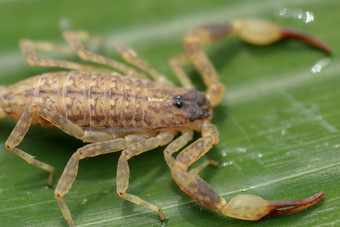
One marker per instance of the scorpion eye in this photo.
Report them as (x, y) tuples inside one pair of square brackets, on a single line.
[(178, 101)]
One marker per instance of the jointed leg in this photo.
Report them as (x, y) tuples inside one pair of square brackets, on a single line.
[(70, 172), (132, 57), (257, 32), (17, 136), (247, 207), (56, 119), (177, 144), (203, 165), (28, 48), (69, 127), (91, 150), (192, 42), (74, 39), (123, 171), (47, 46), (189, 181), (176, 63)]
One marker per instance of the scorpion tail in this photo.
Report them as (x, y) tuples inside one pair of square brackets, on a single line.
[(2, 112), (261, 32)]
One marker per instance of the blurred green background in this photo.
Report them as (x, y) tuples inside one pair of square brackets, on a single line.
[(279, 121)]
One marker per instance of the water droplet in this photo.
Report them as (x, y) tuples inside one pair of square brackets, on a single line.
[(309, 17), (319, 65), (283, 11), (64, 23), (243, 190), (283, 132), (227, 163), (224, 153), (84, 201), (260, 155), (306, 16), (241, 150)]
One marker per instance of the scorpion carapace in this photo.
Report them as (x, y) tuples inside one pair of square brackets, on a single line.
[(127, 112)]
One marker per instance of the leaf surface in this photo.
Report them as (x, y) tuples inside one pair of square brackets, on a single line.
[(279, 121)]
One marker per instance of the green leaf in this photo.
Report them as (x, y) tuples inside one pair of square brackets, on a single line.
[(279, 121)]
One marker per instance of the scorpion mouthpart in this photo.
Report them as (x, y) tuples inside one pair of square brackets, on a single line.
[(291, 206), (298, 35)]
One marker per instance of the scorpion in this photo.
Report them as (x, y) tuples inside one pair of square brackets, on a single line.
[(136, 109)]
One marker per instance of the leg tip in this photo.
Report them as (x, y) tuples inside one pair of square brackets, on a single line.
[(162, 216), (215, 163), (164, 219), (50, 185)]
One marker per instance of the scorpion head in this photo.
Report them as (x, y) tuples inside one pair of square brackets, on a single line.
[(190, 109), (174, 107), (193, 104)]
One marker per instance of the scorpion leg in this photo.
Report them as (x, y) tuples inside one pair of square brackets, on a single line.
[(72, 129), (254, 31), (189, 181), (74, 39), (28, 48), (203, 165), (246, 207), (56, 119), (70, 172), (132, 57), (177, 144), (17, 136), (176, 64), (123, 171)]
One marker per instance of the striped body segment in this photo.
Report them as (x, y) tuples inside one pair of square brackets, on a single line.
[(101, 101)]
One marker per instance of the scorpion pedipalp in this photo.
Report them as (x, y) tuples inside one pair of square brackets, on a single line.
[(260, 32), (254, 208)]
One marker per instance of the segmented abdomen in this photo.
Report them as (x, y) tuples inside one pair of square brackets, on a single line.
[(96, 100)]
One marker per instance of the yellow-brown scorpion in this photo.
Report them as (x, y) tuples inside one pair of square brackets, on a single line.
[(125, 111)]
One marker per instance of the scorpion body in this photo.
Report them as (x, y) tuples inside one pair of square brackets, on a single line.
[(128, 112), (107, 102)]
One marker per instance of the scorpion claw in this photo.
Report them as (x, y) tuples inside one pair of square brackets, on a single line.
[(293, 205), (254, 208), (298, 35), (261, 32)]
